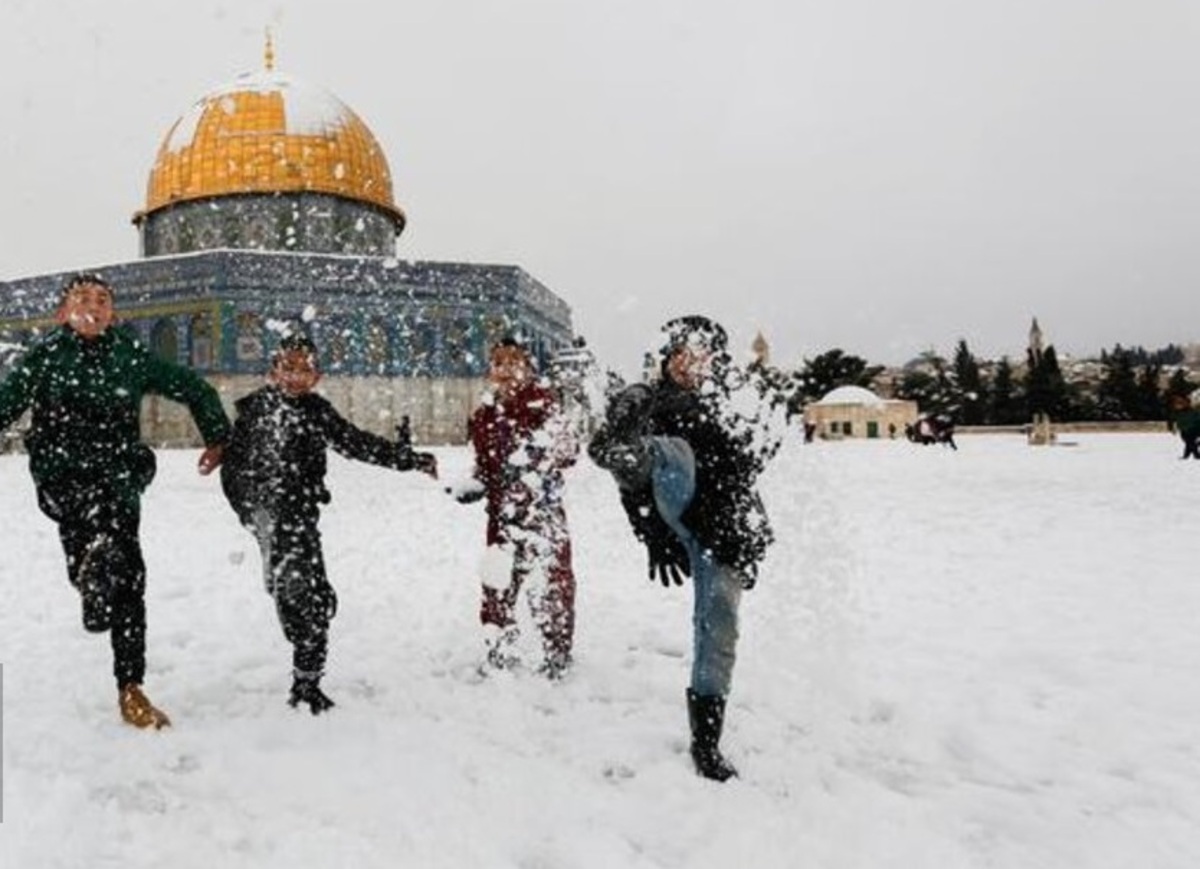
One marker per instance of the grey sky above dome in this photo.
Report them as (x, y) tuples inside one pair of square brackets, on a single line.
[(880, 177)]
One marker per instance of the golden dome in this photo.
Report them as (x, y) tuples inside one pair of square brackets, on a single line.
[(266, 132)]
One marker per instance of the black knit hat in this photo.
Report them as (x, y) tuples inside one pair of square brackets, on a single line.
[(695, 330), (513, 341), (297, 341), (82, 279)]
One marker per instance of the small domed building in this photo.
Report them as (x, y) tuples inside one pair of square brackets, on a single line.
[(271, 203), (856, 412)]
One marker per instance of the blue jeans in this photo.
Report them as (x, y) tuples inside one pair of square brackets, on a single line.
[(718, 588)]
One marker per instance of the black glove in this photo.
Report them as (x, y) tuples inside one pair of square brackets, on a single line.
[(668, 560)]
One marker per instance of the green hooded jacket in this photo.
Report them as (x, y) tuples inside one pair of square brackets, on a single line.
[(1188, 422), (86, 398)]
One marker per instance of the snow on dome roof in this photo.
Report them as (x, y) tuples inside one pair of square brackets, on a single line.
[(308, 110), (268, 132), (850, 395)]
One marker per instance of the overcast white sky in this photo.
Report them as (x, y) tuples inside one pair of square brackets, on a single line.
[(879, 176)]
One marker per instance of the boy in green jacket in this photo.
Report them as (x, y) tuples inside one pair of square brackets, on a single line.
[(84, 384)]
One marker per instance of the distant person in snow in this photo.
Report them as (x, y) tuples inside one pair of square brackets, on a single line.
[(931, 430), (523, 441), (686, 456), (274, 478), (1186, 417), (84, 383)]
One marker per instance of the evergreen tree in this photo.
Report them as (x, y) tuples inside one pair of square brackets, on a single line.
[(1117, 395), (1172, 354), (971, 399), (1149, 398), (930, 386), (1006, 406), (772, 384), (1178, 387), (1045, 388), (832, 369)]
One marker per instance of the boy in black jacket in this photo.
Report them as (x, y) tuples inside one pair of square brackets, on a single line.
[(686, 464), (274, 477)]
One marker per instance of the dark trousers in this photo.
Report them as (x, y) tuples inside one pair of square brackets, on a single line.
[(294, 574), (99, 528), (1191, 446)]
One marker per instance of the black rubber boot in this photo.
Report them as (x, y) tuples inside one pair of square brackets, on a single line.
[(707, 718), (306, 689)]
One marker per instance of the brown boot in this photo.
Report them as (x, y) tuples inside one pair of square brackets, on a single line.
[(139, 711)]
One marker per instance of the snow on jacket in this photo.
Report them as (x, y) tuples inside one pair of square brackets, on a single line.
[(726, 513), (86, 399), (522, 444), (276, 458)]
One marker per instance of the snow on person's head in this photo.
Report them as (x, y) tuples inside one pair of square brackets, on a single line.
[(510, 366), (694, 352), (294, 367), (695, 355), (86, 307)]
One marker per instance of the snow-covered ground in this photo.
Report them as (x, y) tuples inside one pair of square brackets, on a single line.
[(988, 658)]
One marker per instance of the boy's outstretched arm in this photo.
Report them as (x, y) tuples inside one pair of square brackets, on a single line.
[(189, 388), (354, 443)]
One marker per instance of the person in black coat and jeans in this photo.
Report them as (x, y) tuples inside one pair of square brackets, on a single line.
[(686, 464), (274, 478)]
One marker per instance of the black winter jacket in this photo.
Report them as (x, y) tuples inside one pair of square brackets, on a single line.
[(276, 456), (726, 514)]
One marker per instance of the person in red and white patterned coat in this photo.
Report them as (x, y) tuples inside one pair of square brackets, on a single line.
[(522, 443)]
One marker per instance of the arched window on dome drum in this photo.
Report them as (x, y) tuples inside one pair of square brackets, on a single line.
[(164, 339), (201, 339), (161, 235), (318, 226)]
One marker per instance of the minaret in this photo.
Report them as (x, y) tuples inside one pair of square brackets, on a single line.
[(1035, 342), (762, 350)]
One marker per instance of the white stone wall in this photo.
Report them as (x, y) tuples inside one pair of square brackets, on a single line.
[(438, 409)]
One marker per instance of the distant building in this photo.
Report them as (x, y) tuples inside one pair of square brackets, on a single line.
[(856, 412), (270, 204)]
